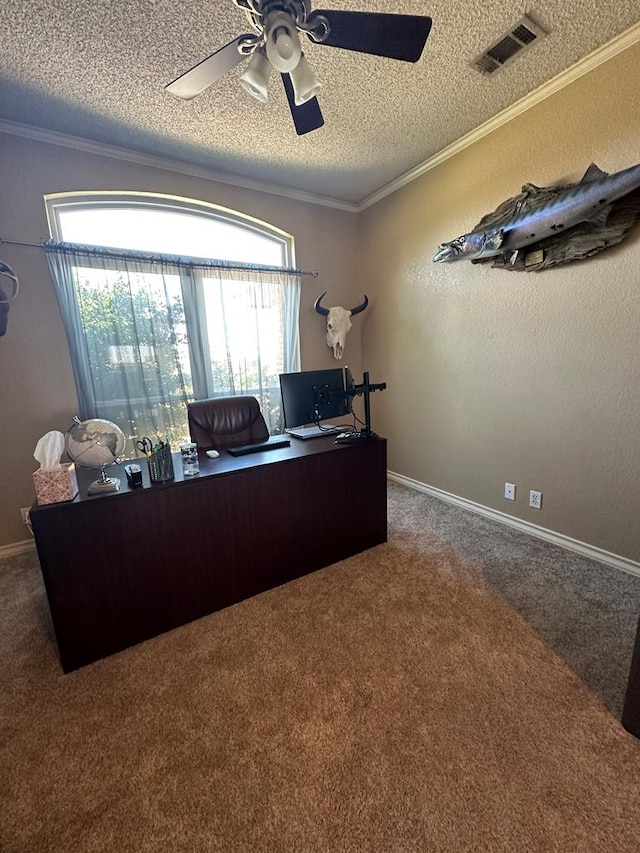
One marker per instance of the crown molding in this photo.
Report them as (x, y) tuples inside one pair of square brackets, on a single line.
[(102, 149), (565, 78), (623, 564)]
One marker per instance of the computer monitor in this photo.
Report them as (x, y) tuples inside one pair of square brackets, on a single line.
[(311, 396)]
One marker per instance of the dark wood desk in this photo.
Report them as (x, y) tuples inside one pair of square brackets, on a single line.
[(123, 567)]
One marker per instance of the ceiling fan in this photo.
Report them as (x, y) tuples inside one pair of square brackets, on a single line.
[(275, 43)]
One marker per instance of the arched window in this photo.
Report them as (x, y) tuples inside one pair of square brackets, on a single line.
[(153, 323)]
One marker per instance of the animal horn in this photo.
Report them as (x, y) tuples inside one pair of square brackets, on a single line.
[(319, 308), (360, 307)]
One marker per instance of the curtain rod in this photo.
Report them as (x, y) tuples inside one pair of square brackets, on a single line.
[(157, 258)]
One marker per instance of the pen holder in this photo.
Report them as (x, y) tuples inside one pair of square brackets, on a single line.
[(161, 465)]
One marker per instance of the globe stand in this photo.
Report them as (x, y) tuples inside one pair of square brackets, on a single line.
[(104, 484)]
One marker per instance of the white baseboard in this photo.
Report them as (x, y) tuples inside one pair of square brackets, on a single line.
[(17, 548), (606, 557)]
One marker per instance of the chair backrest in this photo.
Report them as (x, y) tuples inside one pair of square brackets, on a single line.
[(226, 422)]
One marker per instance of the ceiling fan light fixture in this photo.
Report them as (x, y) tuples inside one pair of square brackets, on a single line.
[(255, 80), (282, 42), (276, 26), (305, 83)]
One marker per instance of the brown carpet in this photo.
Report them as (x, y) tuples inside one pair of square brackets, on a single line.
[(392, 702)]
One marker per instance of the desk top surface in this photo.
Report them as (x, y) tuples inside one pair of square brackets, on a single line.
[(224, 465)]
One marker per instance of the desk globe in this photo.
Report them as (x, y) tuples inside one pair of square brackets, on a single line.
[(96, 443)]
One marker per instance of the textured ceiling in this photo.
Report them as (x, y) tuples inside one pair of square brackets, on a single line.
[(98, 70)]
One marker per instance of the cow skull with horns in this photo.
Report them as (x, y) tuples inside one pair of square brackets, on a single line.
[(338, 323)]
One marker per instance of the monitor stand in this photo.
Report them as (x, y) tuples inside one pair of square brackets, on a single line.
[(365, 390)]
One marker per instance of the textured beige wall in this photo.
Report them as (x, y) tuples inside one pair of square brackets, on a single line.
[(494, 376), (37, 392)]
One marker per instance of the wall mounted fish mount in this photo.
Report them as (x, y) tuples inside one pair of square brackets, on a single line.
[(546, 226)]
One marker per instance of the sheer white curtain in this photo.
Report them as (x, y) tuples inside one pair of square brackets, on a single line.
[(247, 322), (149, 333)]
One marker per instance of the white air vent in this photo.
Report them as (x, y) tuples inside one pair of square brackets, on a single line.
[(519, 38)]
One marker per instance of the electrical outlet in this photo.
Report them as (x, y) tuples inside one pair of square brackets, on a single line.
[(24, 514), (535, 499), (510, 491)]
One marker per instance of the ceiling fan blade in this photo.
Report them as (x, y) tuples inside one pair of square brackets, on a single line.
[(307, 116), (394, 36), (202, 75)]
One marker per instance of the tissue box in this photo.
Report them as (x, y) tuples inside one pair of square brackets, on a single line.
[(56, 484)]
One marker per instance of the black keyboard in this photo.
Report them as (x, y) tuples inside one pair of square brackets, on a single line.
[(270, 444)]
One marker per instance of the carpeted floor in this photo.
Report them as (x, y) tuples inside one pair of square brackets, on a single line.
[(585, 611), (451, 690)]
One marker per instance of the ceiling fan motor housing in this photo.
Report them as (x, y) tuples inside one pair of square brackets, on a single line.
[(298, 12), (297, 9)]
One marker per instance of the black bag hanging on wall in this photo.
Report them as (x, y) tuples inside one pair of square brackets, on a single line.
[(6, 270), (4, 310)]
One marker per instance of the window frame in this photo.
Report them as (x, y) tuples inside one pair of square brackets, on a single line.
[(56, 203)]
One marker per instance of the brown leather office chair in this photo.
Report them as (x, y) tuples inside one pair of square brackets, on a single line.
[(226, 422)]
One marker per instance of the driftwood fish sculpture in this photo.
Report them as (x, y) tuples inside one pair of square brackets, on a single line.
[(590, 201)]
